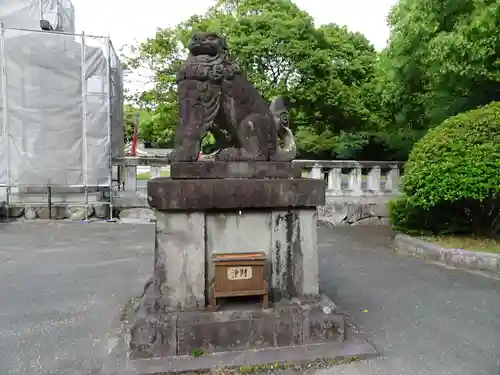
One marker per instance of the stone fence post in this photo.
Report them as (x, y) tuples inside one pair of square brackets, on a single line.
[(130, 178), (355, 176), (357, 183), (374, 179), (392, 180), (335, 179), (155, 171)]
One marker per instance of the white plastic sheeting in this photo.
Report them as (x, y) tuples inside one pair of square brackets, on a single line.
[(26, 14), (57, 109)]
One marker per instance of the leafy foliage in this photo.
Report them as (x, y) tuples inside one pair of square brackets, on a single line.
[(453, 170), (130, 114), (321, 71), (442, 59), (347, 101)]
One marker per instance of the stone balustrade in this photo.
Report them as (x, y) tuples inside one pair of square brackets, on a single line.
[(354, 178), (357, 191), (343, 177), (129, 165)]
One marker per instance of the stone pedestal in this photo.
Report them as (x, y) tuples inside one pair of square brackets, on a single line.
[(236, 208), (218, 207)]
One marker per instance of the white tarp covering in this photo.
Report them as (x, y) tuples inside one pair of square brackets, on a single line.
[(26, 14), (57, 109)]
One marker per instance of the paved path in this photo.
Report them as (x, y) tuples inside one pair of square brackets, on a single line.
[(425, 319), (62, 287), (62, 290)]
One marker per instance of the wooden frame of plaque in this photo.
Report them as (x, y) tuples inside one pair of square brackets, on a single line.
[(239, 275)]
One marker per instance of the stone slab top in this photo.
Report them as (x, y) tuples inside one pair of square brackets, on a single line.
[(166, 194), (238, 169)]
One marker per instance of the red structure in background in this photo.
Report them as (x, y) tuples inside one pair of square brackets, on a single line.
[(134, 137)]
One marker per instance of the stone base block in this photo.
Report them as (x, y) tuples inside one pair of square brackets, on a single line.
[(241, 169), (166, 194), (289, 323), (186, 242)]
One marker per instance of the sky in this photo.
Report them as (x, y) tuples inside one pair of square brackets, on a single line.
[(128, 21)]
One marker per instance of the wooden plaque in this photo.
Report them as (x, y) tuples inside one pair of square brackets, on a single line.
[(239, 274)]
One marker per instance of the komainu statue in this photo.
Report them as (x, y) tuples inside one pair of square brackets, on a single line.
[(215, 95)]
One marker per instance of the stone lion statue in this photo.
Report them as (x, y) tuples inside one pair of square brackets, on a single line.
[(215, 95)]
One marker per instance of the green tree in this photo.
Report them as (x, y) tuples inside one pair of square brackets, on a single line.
[(442, 59), (324, 72), (130, 114), (161, 56)]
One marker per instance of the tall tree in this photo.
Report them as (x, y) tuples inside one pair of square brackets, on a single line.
[(322, 71), (442, 59)]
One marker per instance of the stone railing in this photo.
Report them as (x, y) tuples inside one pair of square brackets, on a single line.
[(357, 192), (130, 164), (342, 177), (355, 178)]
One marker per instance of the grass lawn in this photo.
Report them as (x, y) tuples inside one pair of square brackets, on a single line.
[(487, 245), (147, 175)]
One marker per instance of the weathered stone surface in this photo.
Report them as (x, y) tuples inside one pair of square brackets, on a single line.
[(341, 210), (357, 212), (226, 330), (80, 212), (373, 221), (320, 325), (153, 336), (294, 254), (287, 237), (214, 90), (218, 169), (180, 248), (30, 213), (101, 211), (286, 324), (168, 194), (145, 214), (55, 212), (379, 209), (16, 211)]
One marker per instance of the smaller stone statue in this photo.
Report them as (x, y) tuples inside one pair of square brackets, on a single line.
[(282, 120)]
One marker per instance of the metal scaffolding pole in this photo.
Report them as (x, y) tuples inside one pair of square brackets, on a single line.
[(84, 125), (5, 112), (110, 156)]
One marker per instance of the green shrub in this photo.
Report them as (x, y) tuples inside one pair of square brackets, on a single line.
[(443, 219), (451, 180)]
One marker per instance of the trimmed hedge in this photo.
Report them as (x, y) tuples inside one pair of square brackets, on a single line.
[(451, 180)]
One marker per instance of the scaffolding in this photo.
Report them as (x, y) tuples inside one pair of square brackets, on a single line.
[(61, 113), (28, 14)]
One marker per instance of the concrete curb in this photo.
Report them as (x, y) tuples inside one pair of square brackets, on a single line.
[(356, 347), (454, 257)]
